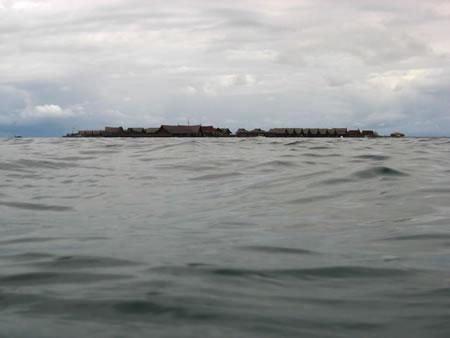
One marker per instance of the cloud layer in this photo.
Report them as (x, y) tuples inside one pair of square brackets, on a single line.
[(370, 64)]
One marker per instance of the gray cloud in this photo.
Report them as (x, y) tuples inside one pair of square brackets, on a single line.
[(368, 64)]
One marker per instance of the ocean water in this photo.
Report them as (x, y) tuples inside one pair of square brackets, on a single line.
[(225, 237)]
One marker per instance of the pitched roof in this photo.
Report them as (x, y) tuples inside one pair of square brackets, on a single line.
[(113, 129), (291, 131), (224, 130), (136, 130), (182, 130), (282, 131), (208, 129), (340, 131), (257, 131)]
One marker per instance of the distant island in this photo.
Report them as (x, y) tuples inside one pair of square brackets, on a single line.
[(210, 131)]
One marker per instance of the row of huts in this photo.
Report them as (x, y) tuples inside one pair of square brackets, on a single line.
[(163, 131), (210, 131), (306, 132)]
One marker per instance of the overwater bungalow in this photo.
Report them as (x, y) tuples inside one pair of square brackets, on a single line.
[(322, 132), (340, 132), (285, 132), (224, 131), (313, 132), (298, 132), (209, 131), (114, 131), (150, 131), (91, 133), (251, 133), (258, 132), (241, 132), (86, 133), (179, 131), (291, 132), (277, 132), (135, 131), (354, 133)]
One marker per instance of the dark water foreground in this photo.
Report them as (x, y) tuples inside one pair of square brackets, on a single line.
[(224, 238)]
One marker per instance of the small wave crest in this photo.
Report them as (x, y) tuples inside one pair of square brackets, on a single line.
[(328, 272), (374, 157), (278, 250), (35, 206), (379, 172), (33, 278)]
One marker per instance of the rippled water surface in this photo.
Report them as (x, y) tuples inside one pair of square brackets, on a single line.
[(225, 238)]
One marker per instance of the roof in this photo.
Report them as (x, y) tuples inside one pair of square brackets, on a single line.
[(368, 132), (278, 131), (209, 129), (85, 132), (136, 130), (151, 130), (182, 130), (290, 131), (354, 132), (340, 131), (112, 129)]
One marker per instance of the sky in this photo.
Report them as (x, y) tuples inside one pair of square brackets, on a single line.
[(372, 64)]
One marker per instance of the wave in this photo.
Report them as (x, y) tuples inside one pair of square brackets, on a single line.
[(319, 148), (50, 239), (373, 157), (311, 199), (99, 152), (44, 164), (320, 155), (103, 309), (329, 272), (428, 236), (379, 172), (278, 163), (36, 206), (143, 307), (48, 278), (325, 272), (278, 250), (215, 176), (333, 181), (84, 262), (28, 256)]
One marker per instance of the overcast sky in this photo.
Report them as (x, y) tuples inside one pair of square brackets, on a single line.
[(249, 63)]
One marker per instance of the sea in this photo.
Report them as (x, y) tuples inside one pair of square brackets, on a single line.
[(225, 237)]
